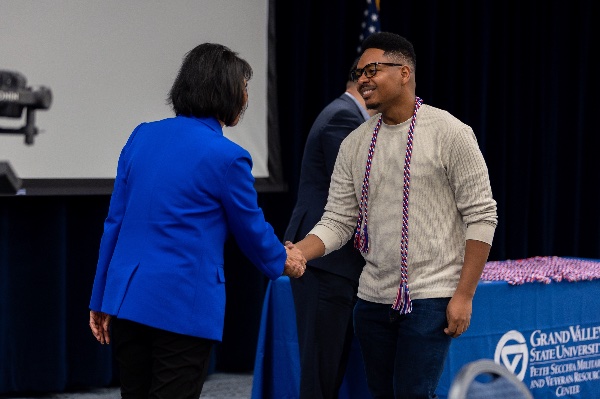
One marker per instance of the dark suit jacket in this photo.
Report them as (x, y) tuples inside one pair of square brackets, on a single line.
[(333, 124)]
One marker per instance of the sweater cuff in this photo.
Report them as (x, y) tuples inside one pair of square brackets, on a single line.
[(329, 238), (481, 232)]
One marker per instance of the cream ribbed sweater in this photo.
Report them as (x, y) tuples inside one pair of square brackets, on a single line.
[(450, 201)]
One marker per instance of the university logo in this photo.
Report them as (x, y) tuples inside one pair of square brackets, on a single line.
[(511, 351)]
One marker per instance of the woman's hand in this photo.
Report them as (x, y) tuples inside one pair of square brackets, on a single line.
[(100, 325), (295, 264)]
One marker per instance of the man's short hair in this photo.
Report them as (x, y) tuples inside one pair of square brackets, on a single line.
[(392, 44)]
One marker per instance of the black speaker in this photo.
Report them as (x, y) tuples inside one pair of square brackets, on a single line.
[(9, 182)]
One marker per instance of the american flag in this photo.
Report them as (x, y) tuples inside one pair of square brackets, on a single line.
[(370, 22)]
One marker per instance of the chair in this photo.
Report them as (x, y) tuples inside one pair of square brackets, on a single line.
[(486, 379)]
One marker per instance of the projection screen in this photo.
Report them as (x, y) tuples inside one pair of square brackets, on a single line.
[(109, 65)]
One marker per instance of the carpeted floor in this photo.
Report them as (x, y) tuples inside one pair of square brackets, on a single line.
[(217, 386)]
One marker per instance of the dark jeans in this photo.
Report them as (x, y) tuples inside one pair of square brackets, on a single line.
[(158, 364), (404, 358)]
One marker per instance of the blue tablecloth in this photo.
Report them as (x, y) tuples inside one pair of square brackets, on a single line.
[(547, 334)]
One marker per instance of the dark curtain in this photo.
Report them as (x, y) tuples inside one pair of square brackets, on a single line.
[(519, 73), (48, 252)]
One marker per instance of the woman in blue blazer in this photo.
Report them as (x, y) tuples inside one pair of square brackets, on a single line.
[(181, 188)]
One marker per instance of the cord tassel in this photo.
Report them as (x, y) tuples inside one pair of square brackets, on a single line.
[(403, 303), (361, 240)]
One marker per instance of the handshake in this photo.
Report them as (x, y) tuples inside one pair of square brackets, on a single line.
[(295, 264)]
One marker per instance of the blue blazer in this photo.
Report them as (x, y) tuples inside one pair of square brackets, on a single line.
[(333, 124), (181, 188)]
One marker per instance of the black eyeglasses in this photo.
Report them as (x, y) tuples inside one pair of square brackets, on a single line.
[(369, 70)]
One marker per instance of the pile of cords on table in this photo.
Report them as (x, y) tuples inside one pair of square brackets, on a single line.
[(543, 269)]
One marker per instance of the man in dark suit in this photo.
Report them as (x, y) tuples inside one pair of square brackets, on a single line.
[(325, 295)]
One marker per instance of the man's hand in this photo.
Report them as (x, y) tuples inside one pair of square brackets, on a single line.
[(458, 314), (295, 264)]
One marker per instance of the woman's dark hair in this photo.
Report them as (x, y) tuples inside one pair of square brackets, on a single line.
[(211, 82)]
